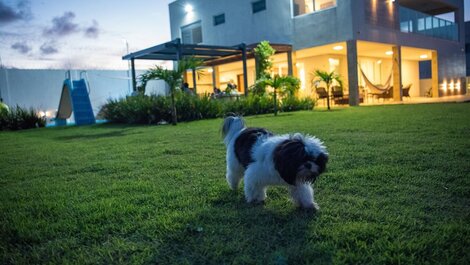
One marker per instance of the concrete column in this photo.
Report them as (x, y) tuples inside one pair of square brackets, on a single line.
[(352, 73), (194, 81), (396, 66), (245, 71), (216, 77), (185, 77), (134, 81), (434, 75), (291, 64)]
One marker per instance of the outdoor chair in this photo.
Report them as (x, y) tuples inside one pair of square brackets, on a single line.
[(387, 94), (429, 93), (406, 91), (338, 95), (321, 93)]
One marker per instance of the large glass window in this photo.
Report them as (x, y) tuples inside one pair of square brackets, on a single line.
[(308, 6), (192, 34)]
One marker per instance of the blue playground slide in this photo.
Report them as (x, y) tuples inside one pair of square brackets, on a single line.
[(75, 99)]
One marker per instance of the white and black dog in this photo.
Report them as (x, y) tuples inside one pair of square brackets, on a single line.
[(264, 159)]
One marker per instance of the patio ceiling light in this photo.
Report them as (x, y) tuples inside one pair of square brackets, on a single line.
[(424, 56), (188, 8), (338, 48), (389, 52)]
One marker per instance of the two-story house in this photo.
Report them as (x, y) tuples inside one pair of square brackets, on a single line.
[(374, 45)]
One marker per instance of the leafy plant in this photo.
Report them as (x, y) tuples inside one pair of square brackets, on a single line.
[(263, 53), (143, 109), (20, 118), (287, 85), (173, 78), (328, 78)]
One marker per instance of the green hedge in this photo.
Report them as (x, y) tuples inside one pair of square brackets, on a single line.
[(20, 118), (143, 109)]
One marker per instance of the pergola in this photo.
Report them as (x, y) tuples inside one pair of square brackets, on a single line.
[(211, 55)]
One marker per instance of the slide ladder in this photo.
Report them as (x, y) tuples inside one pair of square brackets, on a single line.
[(75, 99)]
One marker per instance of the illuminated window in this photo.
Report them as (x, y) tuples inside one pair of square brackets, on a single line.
[(308, 6)]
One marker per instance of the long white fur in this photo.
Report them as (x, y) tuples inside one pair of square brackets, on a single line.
[(262, 173)]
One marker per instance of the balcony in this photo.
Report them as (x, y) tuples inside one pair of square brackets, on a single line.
[(412, 21)]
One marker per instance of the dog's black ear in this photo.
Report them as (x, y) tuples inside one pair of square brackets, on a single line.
[(321, 161), (288, 156)]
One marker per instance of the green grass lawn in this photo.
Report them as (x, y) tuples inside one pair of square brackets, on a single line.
[(397, 191)]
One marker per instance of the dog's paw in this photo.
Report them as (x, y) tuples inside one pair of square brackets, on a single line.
[(311, 207)]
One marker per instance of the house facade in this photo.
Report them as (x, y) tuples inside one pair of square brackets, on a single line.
[(370, 43)]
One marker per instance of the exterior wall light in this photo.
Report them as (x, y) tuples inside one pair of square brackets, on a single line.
[(210, 70), (424, 56), (389, 52), (188, 8), (444, 86)]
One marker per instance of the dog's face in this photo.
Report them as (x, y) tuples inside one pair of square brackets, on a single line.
[(296, 165), (312, 168)]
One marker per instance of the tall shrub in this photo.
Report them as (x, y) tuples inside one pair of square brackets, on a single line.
[(19, 118), (263, 53)]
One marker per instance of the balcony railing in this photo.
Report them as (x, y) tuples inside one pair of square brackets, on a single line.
[(413, 21)]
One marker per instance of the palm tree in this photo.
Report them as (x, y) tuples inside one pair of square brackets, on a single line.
[(174, 78), (287, 84), (327, 78)]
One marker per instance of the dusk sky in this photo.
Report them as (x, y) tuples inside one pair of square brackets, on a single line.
[(82, 34)]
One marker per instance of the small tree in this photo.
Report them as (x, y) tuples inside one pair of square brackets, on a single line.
[(327, 78), (263, 53), (286, 84), (174, 78)]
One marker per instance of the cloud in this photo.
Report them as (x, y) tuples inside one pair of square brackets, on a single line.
[(48, 48), (21, 47), (92, 31), (9, 14), (62, 26)]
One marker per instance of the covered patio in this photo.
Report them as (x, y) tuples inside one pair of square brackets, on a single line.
[(211, 55)]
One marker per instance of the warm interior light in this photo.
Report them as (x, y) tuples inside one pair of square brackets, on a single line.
[(379, 61), (338, 48), (188, 8), (333, 62), (424, 56), (389, 52), (210, 70)]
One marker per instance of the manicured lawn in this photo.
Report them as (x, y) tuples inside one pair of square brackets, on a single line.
[(397, 190)]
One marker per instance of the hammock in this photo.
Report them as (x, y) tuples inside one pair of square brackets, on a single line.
[(376, 89)]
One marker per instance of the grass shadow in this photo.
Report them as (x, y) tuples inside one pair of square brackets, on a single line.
[(230, 231), (117, 133)]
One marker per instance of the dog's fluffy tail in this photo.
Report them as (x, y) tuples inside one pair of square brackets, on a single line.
[(231, 126)]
